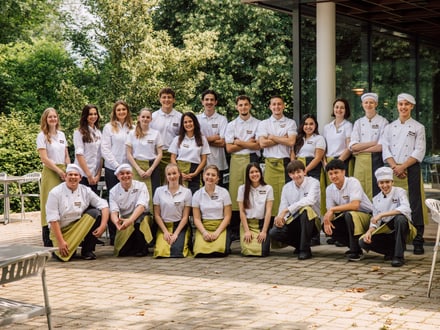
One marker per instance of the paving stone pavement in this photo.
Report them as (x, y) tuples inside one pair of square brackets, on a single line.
[(277, 292)]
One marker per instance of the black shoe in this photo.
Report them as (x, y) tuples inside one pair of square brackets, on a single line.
[(142, 253), (331, 241), (315, 241), (339, 244), (295, 251), (303, 255), (418, 249), (88, 255), (347, 252), (397, 262), (99, 242), (355, 256)]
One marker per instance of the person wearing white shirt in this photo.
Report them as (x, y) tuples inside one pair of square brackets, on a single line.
[(52, 149), (113, 149), (365, 145), (404, 147), (242, 145), (337, 135), (276, 135), (144, 152), (211, 207), (189, 150), (213, 127), (87, 142), (129, 213), (348, 209), (172, 205), (391, 222), (298, 215), (76, 216), (255, 199), (166, 120)]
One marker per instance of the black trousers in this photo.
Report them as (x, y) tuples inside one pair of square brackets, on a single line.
[(344, 232), (392, 244), (298, 233)]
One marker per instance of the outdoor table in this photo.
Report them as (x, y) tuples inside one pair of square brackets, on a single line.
[(6, 181), (16, 263)]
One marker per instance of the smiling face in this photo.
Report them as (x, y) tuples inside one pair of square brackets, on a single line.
[(144, 117), (254, 176), (72, 180), (337, 177), (92, 117), (309, 127), (209, 102), (385, 186), (369, 105), (210, 176), (52, 119), (188, 124), (277, 107), (125, 177), (244, 108), (297, 176), (167, 102), (404, 108), (121, 112), (339, 110), (172, 174)]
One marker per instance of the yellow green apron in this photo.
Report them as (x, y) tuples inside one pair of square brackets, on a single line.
[(122, 236), (218, 246), (49, 180), (163, 250)]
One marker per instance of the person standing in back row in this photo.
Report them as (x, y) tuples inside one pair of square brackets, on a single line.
[(276, 135), (404, 146), (213, 127), (364, 144)]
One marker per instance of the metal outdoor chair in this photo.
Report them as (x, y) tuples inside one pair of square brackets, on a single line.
[(28, 178), (434, 207)]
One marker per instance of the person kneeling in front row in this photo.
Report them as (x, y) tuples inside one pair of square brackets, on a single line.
[(297, 220), (391, 225), (129, 212), (76, 216)]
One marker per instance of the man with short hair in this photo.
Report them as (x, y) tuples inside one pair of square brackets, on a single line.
[(348, 209), (298, 216), (213, 127), (76, 216)]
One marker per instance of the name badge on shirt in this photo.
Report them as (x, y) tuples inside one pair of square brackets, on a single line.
[(185, 145), (262, 192), (214, 125), (175, 124), (339, 131), (395, 200), (176, 203), (375, 126), (77, 204), (134, 191), (150, 141), (282, 125), (309, 142), (410, 133), (62, 141), (214, 197), (346, 197), (249, 132), (306, 194)]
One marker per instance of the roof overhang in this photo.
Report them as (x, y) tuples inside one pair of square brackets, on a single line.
[(418, 18)]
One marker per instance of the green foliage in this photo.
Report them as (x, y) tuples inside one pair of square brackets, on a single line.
[(18, 152), (253, 49)]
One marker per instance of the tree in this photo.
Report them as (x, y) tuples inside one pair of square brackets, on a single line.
[(137, 61), (253, 49)]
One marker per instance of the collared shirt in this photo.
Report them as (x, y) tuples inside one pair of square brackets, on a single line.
[(172, 205), (91, 150), (168, 125), (336, 138), (281, 127), (189, 151), (243, 130), (144, 148), (211, 207), (215, 124), (403, 140), (294, 198), (257, 200), (67, 206), (125, 202), (56, 150), (310, 145), (395, 200), (351, 191), (368, 130), (113, 148)]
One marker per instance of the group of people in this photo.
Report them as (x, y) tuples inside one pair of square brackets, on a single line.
[(165, 180)]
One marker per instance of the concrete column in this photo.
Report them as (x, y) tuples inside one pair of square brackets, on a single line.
[(325, 61)]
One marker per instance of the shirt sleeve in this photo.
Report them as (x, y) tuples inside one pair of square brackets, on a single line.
[(106, 146), (78, 143)]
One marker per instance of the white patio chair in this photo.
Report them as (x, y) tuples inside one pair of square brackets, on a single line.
[(27, 178), (434, 207)]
